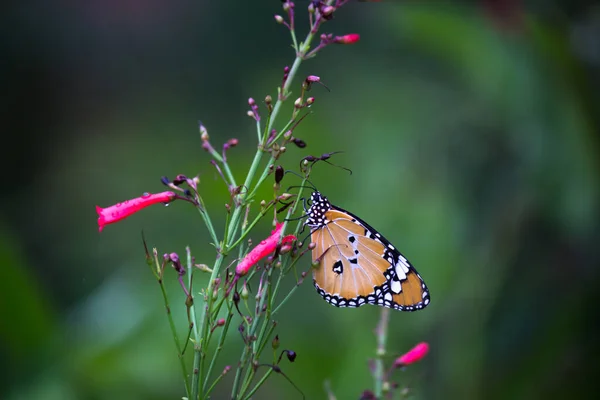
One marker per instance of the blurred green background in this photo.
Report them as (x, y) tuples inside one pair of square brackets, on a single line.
[(472, 131)]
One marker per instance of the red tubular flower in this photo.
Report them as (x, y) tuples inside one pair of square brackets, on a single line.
[(123, 210), (413, 355), (262, 250), (347, 39)]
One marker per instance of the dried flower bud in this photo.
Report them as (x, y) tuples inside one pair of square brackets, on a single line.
[(279, 172), (299, 142), (179, 179), (275, 342), (368, 395), (291, 355)]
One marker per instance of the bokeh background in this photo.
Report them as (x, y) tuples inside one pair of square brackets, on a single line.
[(472, 133)]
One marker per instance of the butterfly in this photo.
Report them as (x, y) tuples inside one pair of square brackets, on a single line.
[(357, 265)]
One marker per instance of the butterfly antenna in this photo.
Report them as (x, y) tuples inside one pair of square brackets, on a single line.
[(296, 218), (325, 157), (310, 184), (339, 166)]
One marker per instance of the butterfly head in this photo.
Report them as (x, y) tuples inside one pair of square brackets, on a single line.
[(319, 205)]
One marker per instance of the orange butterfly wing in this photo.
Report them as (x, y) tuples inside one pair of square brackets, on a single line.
[(357, 265)]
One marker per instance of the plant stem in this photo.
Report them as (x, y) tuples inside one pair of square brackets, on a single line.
[(224, 330), (192, 311), (259, 384), (381, 334), (175, 337)]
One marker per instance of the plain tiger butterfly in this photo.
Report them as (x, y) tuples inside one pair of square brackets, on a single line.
[(357, 265)]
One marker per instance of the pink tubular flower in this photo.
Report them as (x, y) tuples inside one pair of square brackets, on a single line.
[(413, 355), (123, 210), (347, 39), (262, 250)]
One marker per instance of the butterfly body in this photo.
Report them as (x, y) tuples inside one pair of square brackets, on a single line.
[(357, 265)]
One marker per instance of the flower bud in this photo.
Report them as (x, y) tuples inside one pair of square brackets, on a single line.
[(275, 342), (285, 196), (203, 133), (285, 249), (291, 355), (413, 355), (279, 172), (299, 142), (327, 11), (245, 292), (347, 39)]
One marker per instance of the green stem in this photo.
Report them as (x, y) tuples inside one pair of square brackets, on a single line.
[(224, 330), (175, 337), (259, 384), (263, 297), (220, 159), (249, 228), (235, 218), (192, 311), (208, 222), (201, 343), (381, 333)]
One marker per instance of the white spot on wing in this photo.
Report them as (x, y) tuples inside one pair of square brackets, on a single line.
[(396, 286)]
